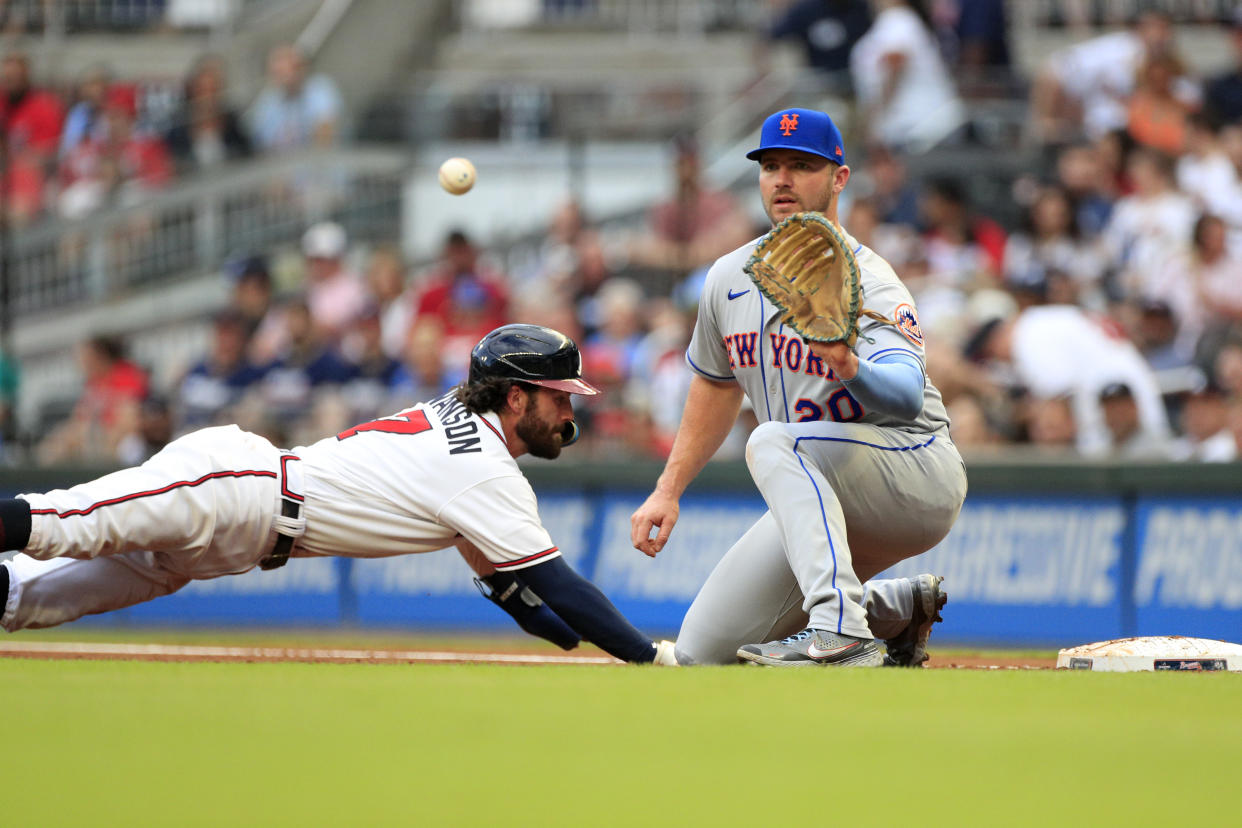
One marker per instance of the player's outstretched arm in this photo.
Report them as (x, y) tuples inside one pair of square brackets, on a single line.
[(711, 409), (580, 603), (508, 591)]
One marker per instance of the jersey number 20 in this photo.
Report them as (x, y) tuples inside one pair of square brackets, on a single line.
[(841, 407)]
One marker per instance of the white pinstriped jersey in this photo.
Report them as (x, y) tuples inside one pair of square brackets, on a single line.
[(739, 335), (414, 481)]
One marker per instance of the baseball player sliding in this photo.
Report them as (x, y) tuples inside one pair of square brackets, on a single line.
[(221, 501), (852, 455)]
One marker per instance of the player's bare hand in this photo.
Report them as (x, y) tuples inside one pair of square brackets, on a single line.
[(659, 512), (838, 357)]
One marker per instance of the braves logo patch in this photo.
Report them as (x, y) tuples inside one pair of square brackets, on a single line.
[(908, 323)]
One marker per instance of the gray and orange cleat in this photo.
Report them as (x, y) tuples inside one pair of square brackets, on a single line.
[(812, 648), (909, 647)]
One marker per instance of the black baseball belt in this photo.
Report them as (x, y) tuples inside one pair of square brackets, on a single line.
[(290, 507)]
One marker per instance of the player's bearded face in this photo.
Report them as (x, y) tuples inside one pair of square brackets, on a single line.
[(791, 182), (540, 425)]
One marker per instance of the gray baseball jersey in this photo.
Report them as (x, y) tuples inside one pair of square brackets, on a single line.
[(850, 491), (739, 336)]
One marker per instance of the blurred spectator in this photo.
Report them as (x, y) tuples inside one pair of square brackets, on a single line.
[(1084, 87), (557, 256), (693, 227), (974, 37), (1233, 418), (32, 118), (1148, 228), (334, 293), (252, 291), (10, 380), (966, 250), (295, 109), (1206, 174), (154, 431), (85, 117), (969, 426), (374, 376), (895, 195), (206, 129), (1044, 347), (1128, 440), (590, 273), (826, 30), (423, 374), (212, 388), (907, 97), (386, 280), (24, 182), (1155, 333), (1087, 183), (1050, 241), (1114, 150), (1155, 114), (1211, 275), (659, 379), (1222, 94), (463, 297), (119, 165), (1205, 434), (306, 374), (609, 353), (1049, 423), (1227, 368), (107, 410), (609, 356)]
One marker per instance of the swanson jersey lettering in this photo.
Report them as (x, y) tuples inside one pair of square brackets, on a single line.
[(739, 336), (414, 481)]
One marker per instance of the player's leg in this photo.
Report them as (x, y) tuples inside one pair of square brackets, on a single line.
[(213, 486), (750, 593), (889, 605), (892, 494), (902, 611), (812, 528), (51, 592)]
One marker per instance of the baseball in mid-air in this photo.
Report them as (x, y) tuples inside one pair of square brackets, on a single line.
[(457, 175)]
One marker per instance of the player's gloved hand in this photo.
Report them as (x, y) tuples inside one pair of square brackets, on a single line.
[(665, 655), (507, 591)]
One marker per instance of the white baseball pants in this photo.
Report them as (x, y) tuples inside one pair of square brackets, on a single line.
[(204, 506)]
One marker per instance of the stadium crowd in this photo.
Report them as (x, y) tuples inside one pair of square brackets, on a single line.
[(1106, 323), (113, 141)]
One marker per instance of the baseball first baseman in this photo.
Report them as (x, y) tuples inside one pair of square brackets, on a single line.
[(852, 454), (221, 501)]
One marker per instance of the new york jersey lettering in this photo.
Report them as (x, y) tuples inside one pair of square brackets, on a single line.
[(745, 344)]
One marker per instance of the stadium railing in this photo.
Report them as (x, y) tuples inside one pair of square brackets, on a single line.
[(200, 222)]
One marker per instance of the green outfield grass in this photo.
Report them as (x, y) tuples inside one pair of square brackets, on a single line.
[(134, 743)]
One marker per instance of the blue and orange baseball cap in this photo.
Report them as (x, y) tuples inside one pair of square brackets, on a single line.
[(808, 130)]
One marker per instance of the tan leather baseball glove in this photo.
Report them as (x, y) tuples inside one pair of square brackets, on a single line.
[(806, 268)]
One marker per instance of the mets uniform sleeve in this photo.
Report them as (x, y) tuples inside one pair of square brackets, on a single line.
[(707, 355), (876, 340), (501, 517)]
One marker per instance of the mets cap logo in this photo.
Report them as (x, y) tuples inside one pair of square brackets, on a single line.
[(789, 123), (836, 150), (908, 323)]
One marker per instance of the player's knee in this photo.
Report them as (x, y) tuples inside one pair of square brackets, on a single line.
[(765, 446), (705, 649)]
